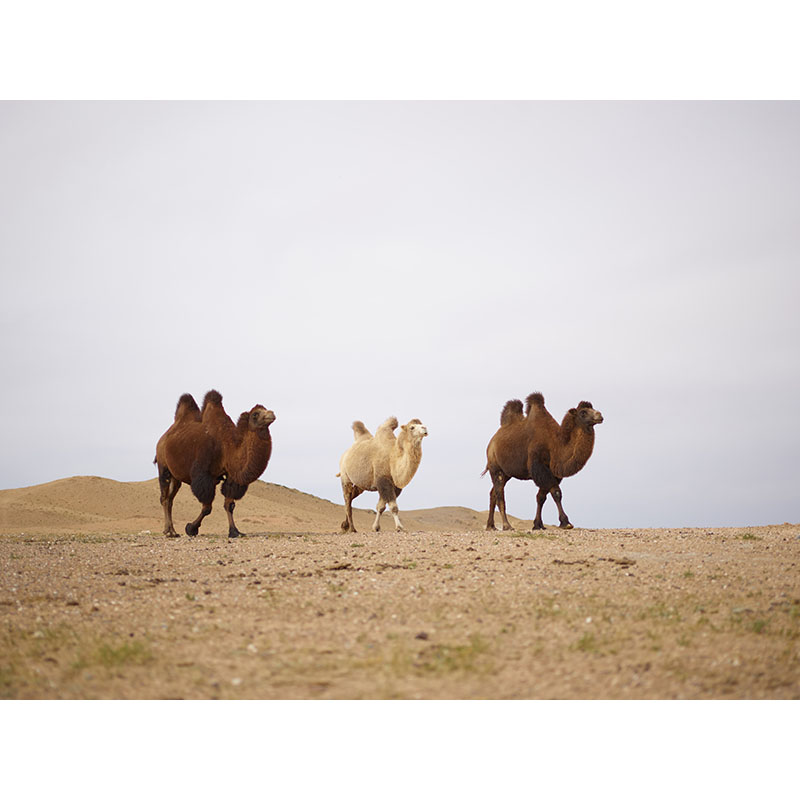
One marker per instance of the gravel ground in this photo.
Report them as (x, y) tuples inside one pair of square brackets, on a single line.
[(583, 614)]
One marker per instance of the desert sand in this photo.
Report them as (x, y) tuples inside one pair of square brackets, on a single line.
[(96, 603)]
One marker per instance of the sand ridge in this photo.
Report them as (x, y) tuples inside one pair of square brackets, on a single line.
[(90, 503)]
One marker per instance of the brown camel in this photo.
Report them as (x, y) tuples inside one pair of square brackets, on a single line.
[(204, 447), (533, 446), (380, 463)]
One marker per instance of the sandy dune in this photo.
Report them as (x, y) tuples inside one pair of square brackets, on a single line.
[(92, 504)]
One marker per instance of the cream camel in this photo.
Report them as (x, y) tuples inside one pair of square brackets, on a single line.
[(382, 463)]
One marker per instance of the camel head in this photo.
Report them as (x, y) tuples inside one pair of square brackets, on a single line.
[(415, 430), (586, 415), (259, 420)]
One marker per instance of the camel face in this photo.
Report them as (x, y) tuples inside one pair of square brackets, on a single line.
[(260, 419), (589, 416), (416, 429)]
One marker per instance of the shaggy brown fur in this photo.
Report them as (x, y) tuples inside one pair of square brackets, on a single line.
[(380, 463), (204, 447), (512, 411), (535, 447)]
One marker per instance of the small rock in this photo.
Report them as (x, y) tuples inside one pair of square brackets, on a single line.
[(236, 681), (421, 635)]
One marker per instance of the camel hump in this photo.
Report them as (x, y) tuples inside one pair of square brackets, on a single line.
[(535, 400), (512, 411), (386, 428), (186, 408), (360, 430), (212, 397)]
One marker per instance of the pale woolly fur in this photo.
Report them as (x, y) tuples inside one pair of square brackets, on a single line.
[(382, 455), (373, 460)]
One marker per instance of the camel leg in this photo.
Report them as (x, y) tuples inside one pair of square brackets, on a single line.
[(497, 496), (204, 487), (169, 488), (379, 509), (562, 516), (192, 528), (169, 527), (233, 531), (541, 496), (501, 500), (492, 503), (395, 513), (350, 492), (232, 492), (388, 493)]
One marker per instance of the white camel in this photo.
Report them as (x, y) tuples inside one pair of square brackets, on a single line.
[(382, 463)]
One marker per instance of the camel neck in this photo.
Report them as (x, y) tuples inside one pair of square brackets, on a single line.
[(250, 458), (575, 452), (405, 459)]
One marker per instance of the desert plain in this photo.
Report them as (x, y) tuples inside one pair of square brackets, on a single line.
[(96, 603)]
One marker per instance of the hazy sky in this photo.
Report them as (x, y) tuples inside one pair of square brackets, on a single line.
[(340, 261)]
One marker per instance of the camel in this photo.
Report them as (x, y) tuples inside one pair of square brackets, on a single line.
[(533, 446), (203, 447), (382, 463)]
